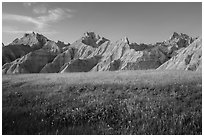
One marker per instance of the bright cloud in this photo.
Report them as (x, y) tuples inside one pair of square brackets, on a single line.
[(41, 9), (55, 15), (41, 22), (28, 4), (70, 10), (23, 19)]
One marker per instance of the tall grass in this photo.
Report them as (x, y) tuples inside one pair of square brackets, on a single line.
[(102, 108)]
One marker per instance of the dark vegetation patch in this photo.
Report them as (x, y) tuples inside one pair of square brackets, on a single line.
[(104, 109)]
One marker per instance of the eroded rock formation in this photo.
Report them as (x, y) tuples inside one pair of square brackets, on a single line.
[(189, 58), (35, 53)]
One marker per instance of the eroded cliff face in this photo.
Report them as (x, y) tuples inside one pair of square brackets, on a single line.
[(95, 53), (20, 47), (81, 65), (59, 61), (34, 40), (123, 55), (12, 52), (32, 62), (189, 58), (83, 51), (29, 54)]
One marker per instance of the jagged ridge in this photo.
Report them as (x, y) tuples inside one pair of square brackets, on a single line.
[(83, 55)]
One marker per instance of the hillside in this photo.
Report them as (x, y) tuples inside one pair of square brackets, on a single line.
[(22, 46), (189, 58), (94, 53), (29, 54)]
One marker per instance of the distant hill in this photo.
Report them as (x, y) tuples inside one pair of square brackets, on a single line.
[(189, 58), (34, 53)]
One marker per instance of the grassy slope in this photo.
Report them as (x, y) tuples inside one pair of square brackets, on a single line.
[(128, 102)]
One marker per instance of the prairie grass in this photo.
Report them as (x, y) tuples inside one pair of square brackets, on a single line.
[(127, 102)]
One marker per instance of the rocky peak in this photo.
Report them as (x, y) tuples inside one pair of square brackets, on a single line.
[(190, 58), (176, 35), (92, 39), (125, 40), (179, 40), (33, 39), (62, 43), (30, 34), (41, 37), (90, 36)]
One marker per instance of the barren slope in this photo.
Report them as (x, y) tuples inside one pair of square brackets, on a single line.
[(190, 58)]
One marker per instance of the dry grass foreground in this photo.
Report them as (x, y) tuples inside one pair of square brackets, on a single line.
[(125, 102)]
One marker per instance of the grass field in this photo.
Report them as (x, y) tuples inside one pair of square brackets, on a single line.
[(126, 102)]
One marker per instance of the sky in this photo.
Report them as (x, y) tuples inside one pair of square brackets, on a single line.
[(65, 21)]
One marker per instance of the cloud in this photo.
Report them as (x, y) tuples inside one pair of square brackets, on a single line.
[(40, 22), (23, 19), (28, 4), (70, 10), (41, 9), (55, 15)]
